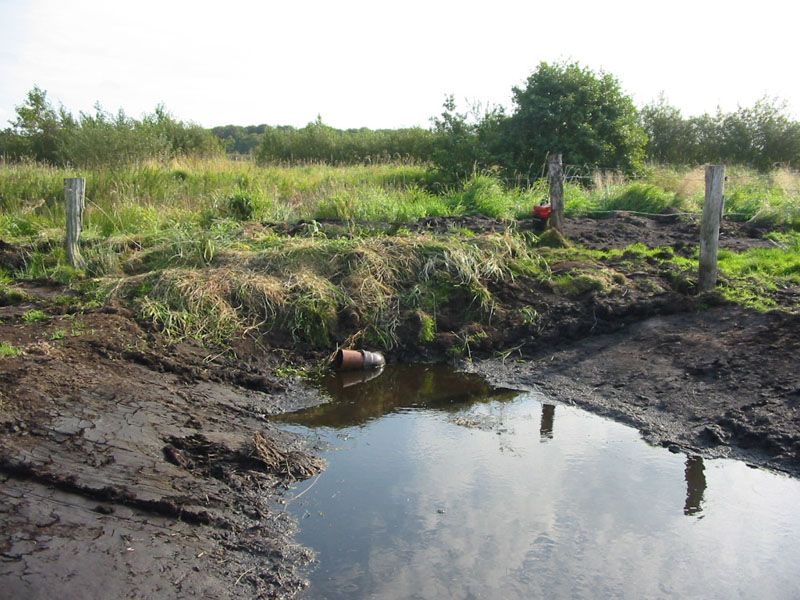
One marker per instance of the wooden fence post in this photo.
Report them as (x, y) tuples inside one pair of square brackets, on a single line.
[(709, 227), (555, 176), (74, 192)]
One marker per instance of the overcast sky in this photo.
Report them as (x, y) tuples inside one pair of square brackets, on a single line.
[(381, 64)]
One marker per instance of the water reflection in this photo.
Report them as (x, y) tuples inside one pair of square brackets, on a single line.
[(546, 422), (421, 500), (695, 485), (433, 387), (347, 379)]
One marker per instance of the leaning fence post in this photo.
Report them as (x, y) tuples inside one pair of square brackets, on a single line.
[(709, 227), (555, 176), (74, 192)]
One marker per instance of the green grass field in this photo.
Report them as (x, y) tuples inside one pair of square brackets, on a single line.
[(156, 197)]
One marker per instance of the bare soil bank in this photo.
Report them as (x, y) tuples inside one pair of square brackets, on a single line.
[(133, 467)]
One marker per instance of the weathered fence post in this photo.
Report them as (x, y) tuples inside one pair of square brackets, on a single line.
[(709, 228), (74, 192), (555, 176)]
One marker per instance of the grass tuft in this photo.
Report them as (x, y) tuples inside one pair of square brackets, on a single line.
[(8, 350), (34, 316)]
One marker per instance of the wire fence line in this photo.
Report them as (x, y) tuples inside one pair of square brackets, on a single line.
[(609, 178)]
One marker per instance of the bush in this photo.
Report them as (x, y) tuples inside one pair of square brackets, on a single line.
[(45, 134), (318, 142)]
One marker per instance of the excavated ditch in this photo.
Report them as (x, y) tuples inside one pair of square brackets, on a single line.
[(135, 467)]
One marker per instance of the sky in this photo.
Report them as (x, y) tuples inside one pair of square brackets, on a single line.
[(383, 64)]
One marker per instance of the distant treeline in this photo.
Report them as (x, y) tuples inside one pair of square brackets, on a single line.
[(323, 143), (761, 136), (561, 107), (46, 134), (239, 139)]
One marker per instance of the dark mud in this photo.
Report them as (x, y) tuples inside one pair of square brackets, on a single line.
[(677, 231), (133, 468), (618, 230)]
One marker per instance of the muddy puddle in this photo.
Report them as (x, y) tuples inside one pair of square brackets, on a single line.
[(439, 486)]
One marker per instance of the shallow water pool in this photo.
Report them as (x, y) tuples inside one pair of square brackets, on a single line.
[(439, 486)]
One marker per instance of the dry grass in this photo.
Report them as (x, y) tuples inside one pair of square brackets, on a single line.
[(300, 287), (608, 179), (685, 184), (787, 180)]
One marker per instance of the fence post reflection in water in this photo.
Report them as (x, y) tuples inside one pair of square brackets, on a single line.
[(546, 422), (695, 485)]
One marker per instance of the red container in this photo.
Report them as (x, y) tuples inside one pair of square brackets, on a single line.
[(542, 211)]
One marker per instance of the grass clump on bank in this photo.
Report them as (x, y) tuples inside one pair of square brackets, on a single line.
[(10, 295), (314, 291), (34, 316), (374, 203), (640, 197)]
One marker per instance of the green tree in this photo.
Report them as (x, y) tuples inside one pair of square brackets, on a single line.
[(183, 139), (320, 142), (106, 139), (43, 133), (670, 137), (586, 116), (469, 142), (456, 153), (240, 140), (39, 126), (760, 136)]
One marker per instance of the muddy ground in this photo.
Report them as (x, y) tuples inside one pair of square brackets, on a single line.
[(617, 231), (679, 232), (721, 382), (133, 467)]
